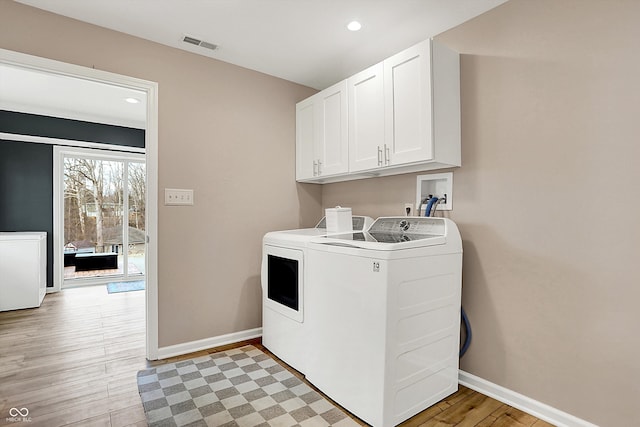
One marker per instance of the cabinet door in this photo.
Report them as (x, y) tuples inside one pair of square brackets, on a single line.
[(306, 135), (366, 119), (408, 106), (332, 151)]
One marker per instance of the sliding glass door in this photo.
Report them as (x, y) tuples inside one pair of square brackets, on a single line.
[(103, 206)]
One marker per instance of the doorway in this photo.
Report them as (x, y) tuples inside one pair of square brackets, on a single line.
[(103, 214), (64, 71)]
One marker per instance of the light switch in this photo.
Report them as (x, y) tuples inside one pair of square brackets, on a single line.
[(178, 197)]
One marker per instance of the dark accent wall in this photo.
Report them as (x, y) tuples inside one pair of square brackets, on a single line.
[(76, 130), (26, 169), (26, 191)]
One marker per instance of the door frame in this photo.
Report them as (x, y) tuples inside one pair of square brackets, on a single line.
[(151, 159)]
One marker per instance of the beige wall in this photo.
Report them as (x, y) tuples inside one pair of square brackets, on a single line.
[(546, 201), (225, 131)]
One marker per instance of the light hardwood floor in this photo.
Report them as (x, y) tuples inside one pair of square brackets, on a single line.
[(74, 360)]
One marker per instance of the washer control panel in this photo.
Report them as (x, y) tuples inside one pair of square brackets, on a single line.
[(413, 225), (359, 223)]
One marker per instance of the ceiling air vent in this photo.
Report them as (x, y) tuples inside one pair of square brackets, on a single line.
[(198, 42)]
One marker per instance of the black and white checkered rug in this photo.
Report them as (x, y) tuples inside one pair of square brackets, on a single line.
[(242, 387)]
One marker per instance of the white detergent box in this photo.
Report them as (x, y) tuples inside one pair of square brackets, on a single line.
[(339, 220)]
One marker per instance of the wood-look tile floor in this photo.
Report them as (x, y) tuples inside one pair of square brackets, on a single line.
[(74, 360)]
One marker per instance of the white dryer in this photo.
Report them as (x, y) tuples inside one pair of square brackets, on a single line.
[(383, 313), (283, 279)]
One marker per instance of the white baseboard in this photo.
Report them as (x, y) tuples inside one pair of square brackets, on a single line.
[(519, 401), (203, 344)]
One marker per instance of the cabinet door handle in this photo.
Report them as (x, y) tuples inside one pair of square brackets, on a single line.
[(379, 156), (319, 165), (315, 168), (387, 158)]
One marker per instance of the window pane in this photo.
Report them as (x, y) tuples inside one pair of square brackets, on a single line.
[(137, 211)]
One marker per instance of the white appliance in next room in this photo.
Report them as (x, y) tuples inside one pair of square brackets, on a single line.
[(382, 310), (23, 269), (283, 290)]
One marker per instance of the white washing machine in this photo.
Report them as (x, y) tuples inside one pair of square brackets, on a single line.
[(283, 281), (383, 317)]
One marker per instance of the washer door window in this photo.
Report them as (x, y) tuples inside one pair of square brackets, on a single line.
[(285, 281)]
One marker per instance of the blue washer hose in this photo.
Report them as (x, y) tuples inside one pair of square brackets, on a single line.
[(467, 327), (427, 211), (465, 319)]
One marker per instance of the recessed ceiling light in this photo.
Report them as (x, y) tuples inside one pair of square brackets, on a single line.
[(354, 26), (132, 100)]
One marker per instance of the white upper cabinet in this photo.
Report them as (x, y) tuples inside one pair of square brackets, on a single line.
[(333, 147), (366, 119), (306, 137), (408, 124), (403, 116), (321, 134)]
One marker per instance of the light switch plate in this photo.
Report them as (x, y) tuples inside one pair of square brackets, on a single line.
[(178, 197)]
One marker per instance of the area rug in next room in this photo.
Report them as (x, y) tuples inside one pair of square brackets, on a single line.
[(242, 387), (115, 287)]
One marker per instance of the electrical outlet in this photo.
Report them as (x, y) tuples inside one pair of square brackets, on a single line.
[(408, 209), (178, 197)]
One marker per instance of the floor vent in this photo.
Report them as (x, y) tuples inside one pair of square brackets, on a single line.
[(197, 42)]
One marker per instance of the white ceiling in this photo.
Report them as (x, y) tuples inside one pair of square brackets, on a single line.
[(303, 41), (30, 91)]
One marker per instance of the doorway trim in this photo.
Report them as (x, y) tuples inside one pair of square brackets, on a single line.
[(151, 159)]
